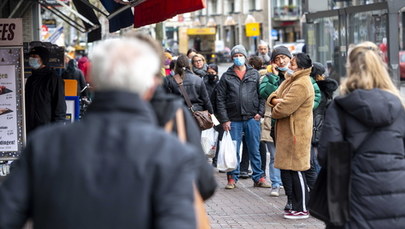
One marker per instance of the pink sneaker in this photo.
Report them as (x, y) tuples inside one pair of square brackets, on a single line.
[(296, 215)]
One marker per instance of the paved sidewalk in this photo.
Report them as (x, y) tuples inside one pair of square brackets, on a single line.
[(250, 207)]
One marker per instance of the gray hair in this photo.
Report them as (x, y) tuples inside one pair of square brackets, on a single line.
[(125, 64)]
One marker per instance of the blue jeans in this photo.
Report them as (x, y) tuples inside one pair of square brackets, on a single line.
[(275, 176), (251, 130)]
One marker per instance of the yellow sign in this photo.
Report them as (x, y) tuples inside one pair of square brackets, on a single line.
[(252, 29), (201, 31)]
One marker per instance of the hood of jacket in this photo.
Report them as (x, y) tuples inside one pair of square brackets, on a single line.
[(328, 86), (374, 108)]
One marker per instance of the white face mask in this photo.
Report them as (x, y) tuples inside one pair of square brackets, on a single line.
[(34, 62)]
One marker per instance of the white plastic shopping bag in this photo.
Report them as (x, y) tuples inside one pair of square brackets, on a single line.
[(227, 160), (209, 138)]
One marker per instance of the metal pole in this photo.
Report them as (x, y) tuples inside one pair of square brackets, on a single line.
[(393, 44), (269, 21)]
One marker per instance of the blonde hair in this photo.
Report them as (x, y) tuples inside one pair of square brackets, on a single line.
[(198, 56), (367, 70)]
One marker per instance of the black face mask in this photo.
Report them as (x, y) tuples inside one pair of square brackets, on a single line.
[(212, 78)]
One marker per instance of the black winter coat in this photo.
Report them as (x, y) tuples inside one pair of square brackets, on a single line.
[(113, 169), (327, 87), (239, 100), (165, 107), (44, 98), (195, 89), (378, 168), (74, 73)]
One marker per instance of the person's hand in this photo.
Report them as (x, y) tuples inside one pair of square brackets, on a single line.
[(257, 117), (276, 101), (226, 126), (275, 69)]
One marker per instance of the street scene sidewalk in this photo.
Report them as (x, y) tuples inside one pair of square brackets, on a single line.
[(250, 207)]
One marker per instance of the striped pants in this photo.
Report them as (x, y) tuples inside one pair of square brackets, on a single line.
[(296, 189)]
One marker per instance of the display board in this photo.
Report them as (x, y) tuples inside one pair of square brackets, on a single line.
[(11, 103)]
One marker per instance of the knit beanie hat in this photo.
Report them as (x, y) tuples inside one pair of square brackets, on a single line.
[(317, 69), (303, 60), (41, 52), (238, 49), (280, 50)]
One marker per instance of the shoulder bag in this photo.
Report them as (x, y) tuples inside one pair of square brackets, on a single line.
[(203, 118)]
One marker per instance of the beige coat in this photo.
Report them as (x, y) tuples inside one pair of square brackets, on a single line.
[(294, 121)]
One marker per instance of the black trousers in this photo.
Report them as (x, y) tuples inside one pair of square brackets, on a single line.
[(296, 189)]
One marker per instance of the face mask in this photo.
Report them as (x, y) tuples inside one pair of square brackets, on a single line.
[(34, 62), (239, 61), (289, 71), (283, 69), (212, 77)]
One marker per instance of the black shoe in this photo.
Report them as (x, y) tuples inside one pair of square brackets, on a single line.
[(244, 175), (288, 207)]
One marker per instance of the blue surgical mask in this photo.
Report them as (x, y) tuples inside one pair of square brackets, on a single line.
[(289, 71), (239, 61), (34, 62), (283, 69)]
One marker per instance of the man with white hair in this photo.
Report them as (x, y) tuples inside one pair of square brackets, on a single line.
[(115, 168), (264, 53)]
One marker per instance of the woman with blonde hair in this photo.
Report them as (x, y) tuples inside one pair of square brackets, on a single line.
[(370, 116), (199, 65)]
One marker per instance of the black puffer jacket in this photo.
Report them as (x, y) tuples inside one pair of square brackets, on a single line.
[(195, 89), (44, 98), (239, 100), (378, 168)]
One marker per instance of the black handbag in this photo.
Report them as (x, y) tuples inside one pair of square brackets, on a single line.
[(203, 118)]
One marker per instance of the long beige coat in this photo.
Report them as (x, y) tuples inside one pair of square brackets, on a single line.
[(294, 121)]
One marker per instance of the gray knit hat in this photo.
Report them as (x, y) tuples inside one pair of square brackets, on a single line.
[(280, 50), (238, 49)]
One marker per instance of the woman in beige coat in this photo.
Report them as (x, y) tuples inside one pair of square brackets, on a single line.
[(292, 105)]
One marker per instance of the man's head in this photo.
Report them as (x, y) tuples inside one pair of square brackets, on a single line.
[(281, 56), (125, 64), (263, 48), (239, 55), (38, 56)]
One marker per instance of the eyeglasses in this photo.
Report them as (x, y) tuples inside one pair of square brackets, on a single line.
[(198, 61)]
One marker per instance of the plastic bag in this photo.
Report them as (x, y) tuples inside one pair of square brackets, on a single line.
[(209, 140), (227, 159)]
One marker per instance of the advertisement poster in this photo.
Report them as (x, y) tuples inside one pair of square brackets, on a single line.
[(8, 109)]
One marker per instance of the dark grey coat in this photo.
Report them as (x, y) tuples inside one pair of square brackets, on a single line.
[(114, 169), (378, 168)]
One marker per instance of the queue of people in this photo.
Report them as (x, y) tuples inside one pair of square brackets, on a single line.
[(273, 102)]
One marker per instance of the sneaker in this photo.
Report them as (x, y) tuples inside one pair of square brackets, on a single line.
[(262, 183), (275, 191), (244, 175), (296, 215), (231, 183)]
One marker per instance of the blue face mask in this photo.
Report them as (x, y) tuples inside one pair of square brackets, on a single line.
[(239, 61), (283, 69), (289, 71), (34, 62)]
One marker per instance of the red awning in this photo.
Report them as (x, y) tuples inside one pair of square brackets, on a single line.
[(154, 11)]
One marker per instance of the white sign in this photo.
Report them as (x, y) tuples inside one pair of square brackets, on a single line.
[(11, 32), (8, 109)]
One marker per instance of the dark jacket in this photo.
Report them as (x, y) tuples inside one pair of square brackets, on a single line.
[(195, 89), (239, 100), (378, 168), (327, 87), (165, 106), (44, 98), (113, 169), (73, 73)]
